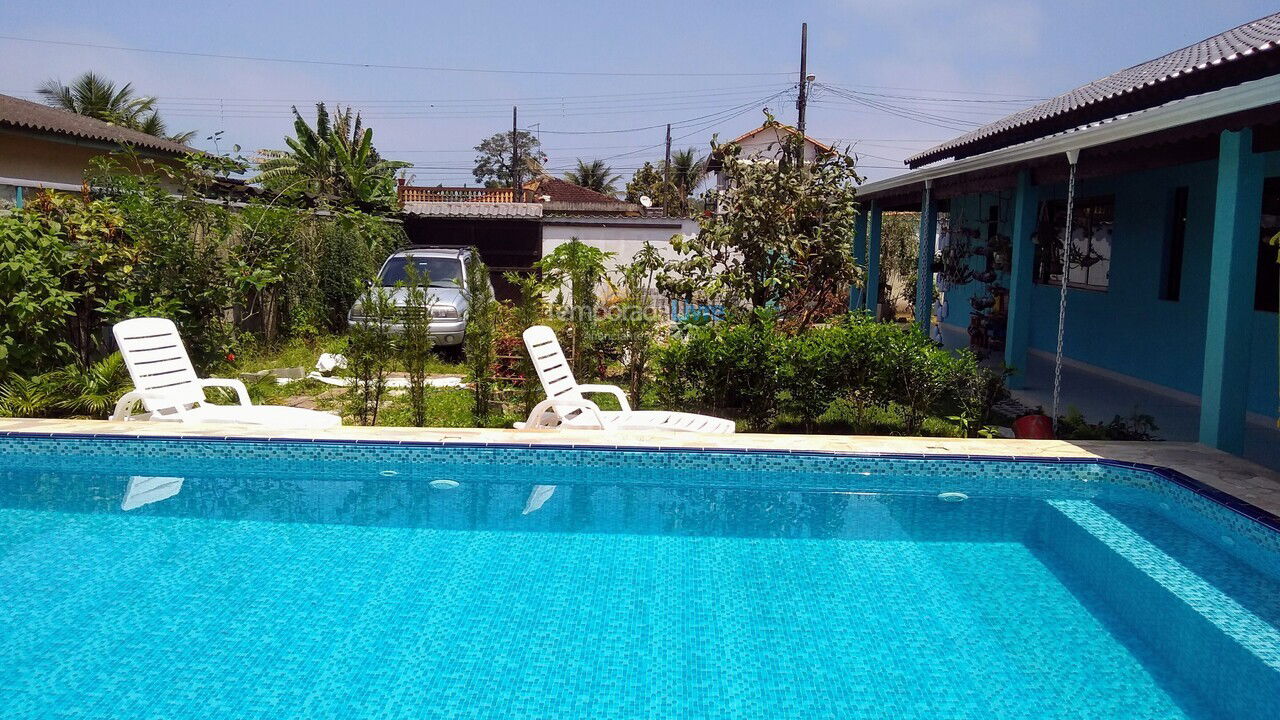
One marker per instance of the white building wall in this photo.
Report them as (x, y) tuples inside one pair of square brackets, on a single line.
[(622, 236), (766, 145)]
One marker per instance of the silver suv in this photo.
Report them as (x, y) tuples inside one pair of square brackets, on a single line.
[(446, 270)]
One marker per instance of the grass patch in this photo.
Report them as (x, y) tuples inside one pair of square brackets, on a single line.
[(304, 353), (446, 407)]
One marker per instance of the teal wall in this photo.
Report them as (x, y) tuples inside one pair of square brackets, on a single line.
[(1129, 329)]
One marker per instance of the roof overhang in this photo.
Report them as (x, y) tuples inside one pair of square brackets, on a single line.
[(499, 210), (590, 208), (1247, 96)]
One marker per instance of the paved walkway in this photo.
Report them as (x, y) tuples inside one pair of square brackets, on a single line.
[(1100, 398), (1245, 480)]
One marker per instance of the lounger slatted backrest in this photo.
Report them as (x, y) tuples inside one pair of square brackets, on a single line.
[(552, 366), (158, 361)]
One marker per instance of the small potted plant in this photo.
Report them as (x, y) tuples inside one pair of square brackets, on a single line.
[(1034, 426)]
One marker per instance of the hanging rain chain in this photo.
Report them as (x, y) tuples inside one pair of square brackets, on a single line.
[(1062, 292)]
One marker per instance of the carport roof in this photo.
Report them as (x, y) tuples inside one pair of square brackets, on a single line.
[(504, 211)]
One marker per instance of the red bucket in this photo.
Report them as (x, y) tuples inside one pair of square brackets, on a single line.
[(1033, 427)]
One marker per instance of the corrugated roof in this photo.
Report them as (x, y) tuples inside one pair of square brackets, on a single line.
[(519, 211), (1243, 53), (27, 115)]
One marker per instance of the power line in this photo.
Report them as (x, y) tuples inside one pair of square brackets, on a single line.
[(935, 120), (383, 66), (677, 123)]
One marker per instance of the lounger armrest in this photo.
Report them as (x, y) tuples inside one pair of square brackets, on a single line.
[(242, 392), (125, 404), (613, 390), (539, 410)]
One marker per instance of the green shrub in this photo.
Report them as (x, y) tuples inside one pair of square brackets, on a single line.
[(581, 269), (480, 342), (528, 310), (879, 377), (416, 340), (371, 351), (726, 367)]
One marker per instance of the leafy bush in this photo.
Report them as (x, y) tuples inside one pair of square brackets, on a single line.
[(480, 341), (528, 310), (416, 340), (76, 389), (779, 238), (755, 371), (719, 367), (581, 269), (371, 350), (631, 323), (1137, 426), (147, 241)]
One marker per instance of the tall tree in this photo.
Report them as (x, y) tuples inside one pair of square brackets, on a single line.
[(493, 163), (595, 175), (93, 95), (647, 182), (780, 239), (334, 162), (687, 170)]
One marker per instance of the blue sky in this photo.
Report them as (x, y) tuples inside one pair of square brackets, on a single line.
[(712, 67)]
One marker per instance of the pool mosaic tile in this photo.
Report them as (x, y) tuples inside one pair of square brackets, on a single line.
[(333, 580)]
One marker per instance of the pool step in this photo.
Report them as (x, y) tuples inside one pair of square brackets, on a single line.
[(1186, 628)]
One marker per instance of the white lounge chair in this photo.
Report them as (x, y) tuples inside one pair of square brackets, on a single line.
[(165, 384), (565, 407)]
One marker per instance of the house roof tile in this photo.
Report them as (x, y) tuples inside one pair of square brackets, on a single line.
[(563, 191), (1244, 53), (26, 115)]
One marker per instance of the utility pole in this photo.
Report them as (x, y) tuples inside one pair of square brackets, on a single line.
[(803, 98), (666, 165), (517, 193)]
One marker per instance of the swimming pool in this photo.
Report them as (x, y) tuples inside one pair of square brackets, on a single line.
[(219, 579)]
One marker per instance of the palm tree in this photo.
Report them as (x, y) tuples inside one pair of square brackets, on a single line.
[(594, 176), (93, 95), (687, 173), (335, 162), (687, 170)]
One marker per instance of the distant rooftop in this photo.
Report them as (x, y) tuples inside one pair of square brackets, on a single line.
[(1241, 54), (19, 114)]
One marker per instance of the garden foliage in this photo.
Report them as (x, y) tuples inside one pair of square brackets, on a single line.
[(480, 342), (779, 238), (756, 371), (148, 239)]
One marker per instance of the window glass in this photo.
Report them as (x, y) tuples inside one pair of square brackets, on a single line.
[(443, 272), (1174, 242), (1266, 294), (1089, 264)]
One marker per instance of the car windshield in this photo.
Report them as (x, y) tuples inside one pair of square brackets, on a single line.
[(443, 272)]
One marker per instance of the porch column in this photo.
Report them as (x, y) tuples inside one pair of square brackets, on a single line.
[(856, 294), (1237, 206), (924, 264), (1018, 332), (871, 297)]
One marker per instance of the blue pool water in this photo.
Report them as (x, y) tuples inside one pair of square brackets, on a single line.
[(276, 580)]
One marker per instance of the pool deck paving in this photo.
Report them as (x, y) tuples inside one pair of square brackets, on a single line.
[(1236, 476)]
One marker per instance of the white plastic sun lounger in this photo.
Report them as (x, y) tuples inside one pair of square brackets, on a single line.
[(165, 384), (565, 407)]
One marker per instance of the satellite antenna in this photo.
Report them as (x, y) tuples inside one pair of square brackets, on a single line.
[(645, 201)]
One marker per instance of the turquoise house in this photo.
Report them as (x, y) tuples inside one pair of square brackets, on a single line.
[(1171, 172)]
